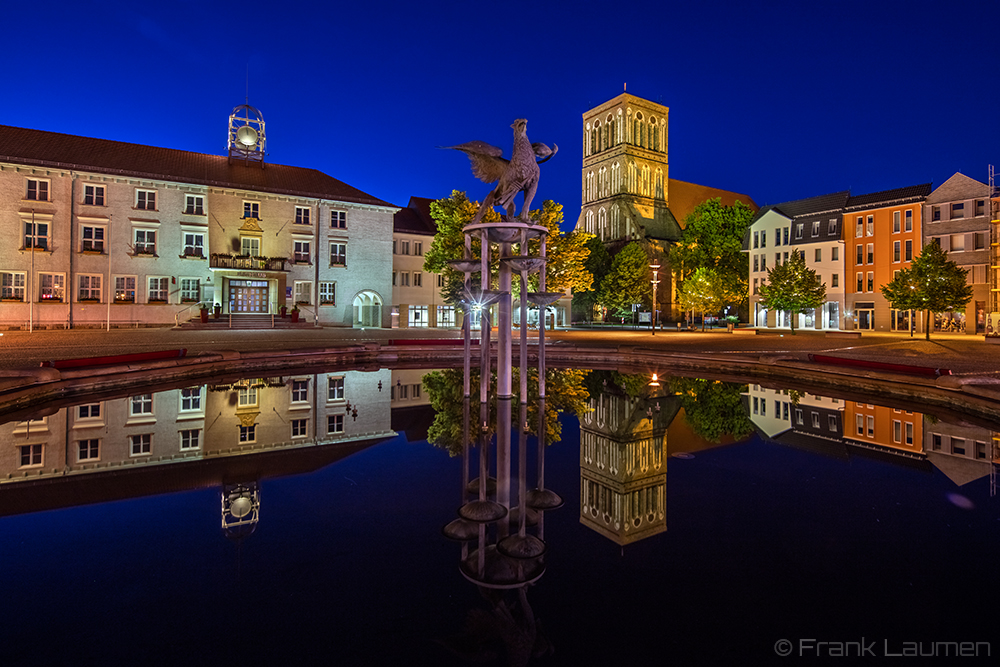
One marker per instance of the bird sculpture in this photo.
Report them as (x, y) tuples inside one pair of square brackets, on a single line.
[(519, 174)]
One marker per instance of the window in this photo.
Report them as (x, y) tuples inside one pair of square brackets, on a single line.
[(871, 426), (446, 316), (250, 246), (145, 242), (416, 391), (158, 289), (980, 207), (832, 227), (978, 274), (936, 441), (909, 433), (36, 235), (124, 289), (247, 397), (834, 254), (191, 399), (190, 290), (835, 280), (860, 421), (815, 419), (31, 456), (145, 200), (300, 391), (394, 247), (418, 248), (763, 239), (88, 450), (190, 439), (799, 418), (335, 424), (832, 422), (301, 215), (251, 209), (871, 281), (338, 219), (141, 444), (908, 221), (93, 195), (91, 411), (935, 213), (404, 279), (777, 237), (763, 262), (908, 246), (860, 259), (818, 255), (980, 450), (777, 258), (248, 433), (957, 210), (756, 405), (141, 405), (895, 251), (979, 240), (785, 234), (798, 230), (12, 285), (335, 389), (418, 280), (300, 428), (958, 242), (756, 263), (93, 239), (763, 404), (870, 225), (755, 239), (404, 247), (861, 282), (194, 244), (90, 288), (328, 294), (303, 291), (302, 251), (755, 288), (871, 254), (194, 205), (418, 316), (895, 222), (338, 254), (860, 231), (897, 431), (38, 190), (815, 231)]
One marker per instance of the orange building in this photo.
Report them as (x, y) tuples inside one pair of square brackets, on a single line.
[(881, 426), (882, 235)]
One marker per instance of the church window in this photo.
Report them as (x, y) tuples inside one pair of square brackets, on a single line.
[(597, 137), (602, 224)]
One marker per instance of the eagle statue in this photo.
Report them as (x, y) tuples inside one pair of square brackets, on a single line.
[(519, 174)]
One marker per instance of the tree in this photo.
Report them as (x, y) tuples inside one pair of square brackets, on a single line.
[(793, 286), (628, 280), (933, 283), (598, 264), (713, 239), (566, 253), (702, 292)]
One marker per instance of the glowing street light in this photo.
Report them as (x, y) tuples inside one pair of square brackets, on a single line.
[(655, 281)]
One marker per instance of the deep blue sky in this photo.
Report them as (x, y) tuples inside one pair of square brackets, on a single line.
[(778, 100)]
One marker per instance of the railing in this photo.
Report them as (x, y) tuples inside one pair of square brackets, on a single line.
[(184, 310), (303, 307), (220, 261)]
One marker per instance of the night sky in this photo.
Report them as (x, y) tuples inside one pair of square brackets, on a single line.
[(777, 100)]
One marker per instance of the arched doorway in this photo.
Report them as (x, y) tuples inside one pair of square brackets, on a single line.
[(367, 310)]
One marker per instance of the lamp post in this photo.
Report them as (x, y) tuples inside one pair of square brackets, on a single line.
[(655, 267)]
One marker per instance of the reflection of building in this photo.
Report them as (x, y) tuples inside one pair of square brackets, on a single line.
[(150, 434), (878, 427), (623, 465), (962, 452), (627, 191), (156, 232), (412, 413)]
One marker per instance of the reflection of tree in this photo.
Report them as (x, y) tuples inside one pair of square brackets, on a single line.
[(712, 408), (506, 634), (564, 390)]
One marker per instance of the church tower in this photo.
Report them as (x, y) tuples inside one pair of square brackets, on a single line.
[(625, 172)]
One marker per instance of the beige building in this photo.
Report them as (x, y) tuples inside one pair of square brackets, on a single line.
[(117, 234), (416, 294)]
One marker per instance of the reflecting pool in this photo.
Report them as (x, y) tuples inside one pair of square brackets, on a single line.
[(301, 519)]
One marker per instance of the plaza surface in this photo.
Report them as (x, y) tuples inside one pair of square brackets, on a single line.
[(964, 355)]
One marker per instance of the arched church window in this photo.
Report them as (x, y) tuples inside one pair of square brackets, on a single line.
[(597, 137), (659, 184), (616, 222), (620, 128), (602, 224), (638, 129), (586, 140)]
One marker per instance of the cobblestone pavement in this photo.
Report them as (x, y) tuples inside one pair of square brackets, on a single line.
[(964, 355)]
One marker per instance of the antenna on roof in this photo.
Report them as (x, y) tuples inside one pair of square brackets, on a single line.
[(248, 83), (625, 87)]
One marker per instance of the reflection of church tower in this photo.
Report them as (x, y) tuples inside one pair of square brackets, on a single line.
[(625, 171), (623, 465)]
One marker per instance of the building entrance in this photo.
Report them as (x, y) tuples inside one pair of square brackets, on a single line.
[(248, 296)]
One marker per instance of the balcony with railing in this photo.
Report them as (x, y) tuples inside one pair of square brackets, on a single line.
[(247, 262)]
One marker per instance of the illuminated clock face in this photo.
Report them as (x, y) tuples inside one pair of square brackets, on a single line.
[(247, 136)]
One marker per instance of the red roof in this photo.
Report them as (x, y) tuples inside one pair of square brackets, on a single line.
[(67, 151)]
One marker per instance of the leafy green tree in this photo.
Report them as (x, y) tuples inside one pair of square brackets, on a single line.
[(793, 286), (598, 264), (702, 292), (567, 253), (933, 283), (627, 282), (713, 239)]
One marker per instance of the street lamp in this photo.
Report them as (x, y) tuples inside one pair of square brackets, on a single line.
[(655, 266)]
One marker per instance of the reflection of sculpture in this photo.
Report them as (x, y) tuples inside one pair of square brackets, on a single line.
[(519, 174)]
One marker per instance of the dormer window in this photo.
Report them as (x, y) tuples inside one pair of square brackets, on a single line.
[(251, 209)]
